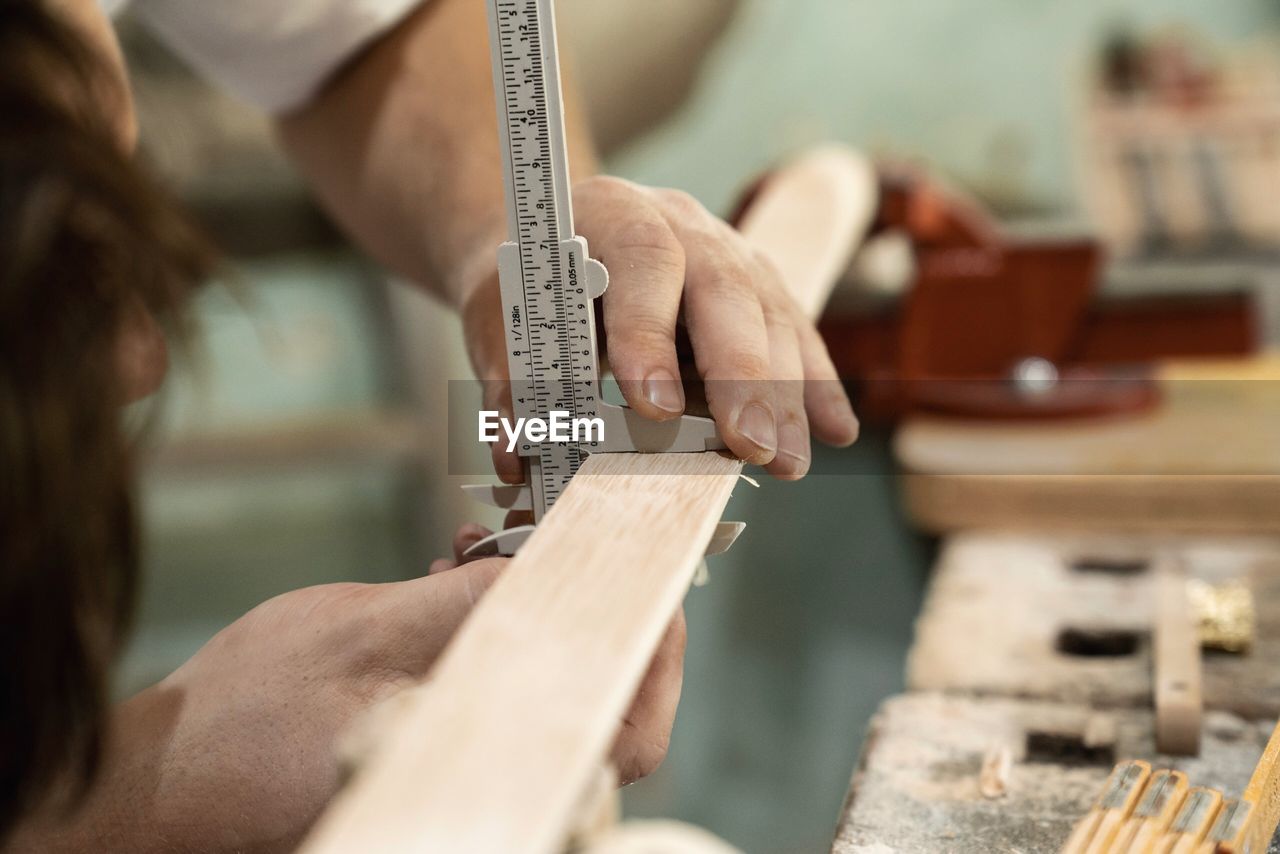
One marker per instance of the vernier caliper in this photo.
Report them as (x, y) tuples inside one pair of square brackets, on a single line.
[(549, 282)]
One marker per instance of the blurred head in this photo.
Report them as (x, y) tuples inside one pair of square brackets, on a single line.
[(94, 261)]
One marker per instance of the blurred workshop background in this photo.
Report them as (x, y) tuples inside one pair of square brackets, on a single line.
[(305, 442)]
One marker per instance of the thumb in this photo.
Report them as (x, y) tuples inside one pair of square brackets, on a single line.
[(448, 598), (426, 612)]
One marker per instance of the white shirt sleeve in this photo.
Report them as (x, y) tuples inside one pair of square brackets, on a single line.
[(272, 53)]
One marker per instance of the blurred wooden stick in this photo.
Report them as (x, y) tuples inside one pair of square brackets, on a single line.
[(1178, 698)]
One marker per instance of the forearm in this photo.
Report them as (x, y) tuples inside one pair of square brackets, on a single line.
[(402, 148)]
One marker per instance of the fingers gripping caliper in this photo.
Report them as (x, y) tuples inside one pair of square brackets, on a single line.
[(549, 282)]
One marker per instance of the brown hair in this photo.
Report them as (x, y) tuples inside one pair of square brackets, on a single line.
[(86, 242)]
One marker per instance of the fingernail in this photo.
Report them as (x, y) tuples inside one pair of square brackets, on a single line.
[(794, 445), (756, 425), (663, 391)]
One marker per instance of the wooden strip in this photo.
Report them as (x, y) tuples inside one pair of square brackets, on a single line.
[(1123, 788), (660, 837), (533, 687), (1082, 834), (1263, 793), (1192, 824), (1231, 830), (840, 193), (1178, 698), (1119, 804), (599, 811), (1153, 814), (494, 753), (993, 777)]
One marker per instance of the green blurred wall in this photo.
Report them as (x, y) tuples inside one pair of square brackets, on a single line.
[(982, 88)]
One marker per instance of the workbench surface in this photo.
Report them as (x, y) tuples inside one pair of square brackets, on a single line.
[(916, 788), (1068, 618)]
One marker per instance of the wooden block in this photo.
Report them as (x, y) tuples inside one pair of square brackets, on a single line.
[(916, 788), (1206, 461), (1217, 419), (1177, 662), (993, 779), (1069, 618), (1203, 504)]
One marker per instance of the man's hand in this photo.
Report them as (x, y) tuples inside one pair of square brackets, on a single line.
[(237, 750), (403, 148), (646, 728), (769, 380)]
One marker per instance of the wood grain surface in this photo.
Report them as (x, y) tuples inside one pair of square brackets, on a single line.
[(530, 693)]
